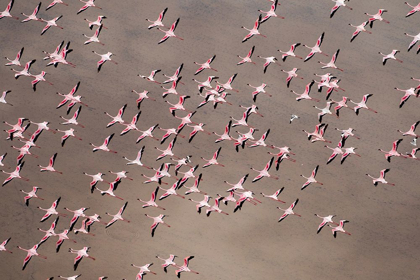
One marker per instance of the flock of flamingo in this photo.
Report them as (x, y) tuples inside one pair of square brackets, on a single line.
[(212, 91)]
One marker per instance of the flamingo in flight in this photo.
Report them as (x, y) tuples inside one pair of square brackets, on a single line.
[(67, 134), (331, 64), (110, 190), (339, 228), (117, 118), (411, 132), (94, 38), (408, 92), (305, 94), (3, 246), (215, 207), (25, 71), (104, 58), (315, 49), (88, 3), (362, 104), (31, 194), (156, 221), (414, 10), (338, 4), (55, 2), (390, 56), (247, 58), (15, 61), (381, 178), (73, 120), (416, 38), (152, 201), (290, 52), (184, 267), (289, 211), (30, 252), (254, 30), (97, 22), (264, 172), (169, 33), (377, 16), (104, 146), (325, 220), (117, 216), (95, 179), (14, 174), (271, 12), (51, 211), (157, 22), (50, 166), (275, 195), (359, 28), (32, 16), (52, 22), (80, 255), (151, 77), (393, 152), (169, 261), (205, 65), (6, 12), (311, 179), (213, 160)]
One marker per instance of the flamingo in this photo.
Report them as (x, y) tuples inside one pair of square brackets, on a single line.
[(261, 141), (25, 71), (416, 38), (110, 190), (289, 211), (324, 111), (132, 125), (347, 152), (393, 152), (338, 4), (6, 12), (157, 22), (167, 151), (410, 132), (205, 65), (179, 105), (264, 172), (31, 252), (74, 277), (340, 104), (137, 160), (117, 216), (184, 267), (117, 118), (147, 133), (55, 2), (311, 179), (275, 195), (239, 185), (413, 154), (206, 83), (258, 90), (94, 38), (290, 75), (52, 22), (202, 203), (290, 52), (175, 77), (325, 220), (144, 268), (228, 84), (172, 190), (142, 96), (390, 56), (185, 120), (59, 56), (408, 92), (169, 33), (381, 178), (169, 132), (172, 89), (95, 179), (104, 146), (225, 135), (14, 174), (377, 16), (271, 12), (414, 10), (70, 97), (3, 245), (359, 28), (50, 166), (49, 232), (181, 162), (331, 64), (247, 58), (31, 194), (169, 261), (121, 175), (84, 228), (305, 94), (61, 237), (156, 221), (80, 255), (15, 61), (97, 22), (73, 120), (196, 129), (76, 214), (336, 151), (268, 61), (67, 134), (315, 49), (104, 58), (32, 16), (151, 77), (88, 3), (39, 78), (254, 30), (51, 211), (339, 228), (362, 104), (152, 201), (215, 207), (213, 160)]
